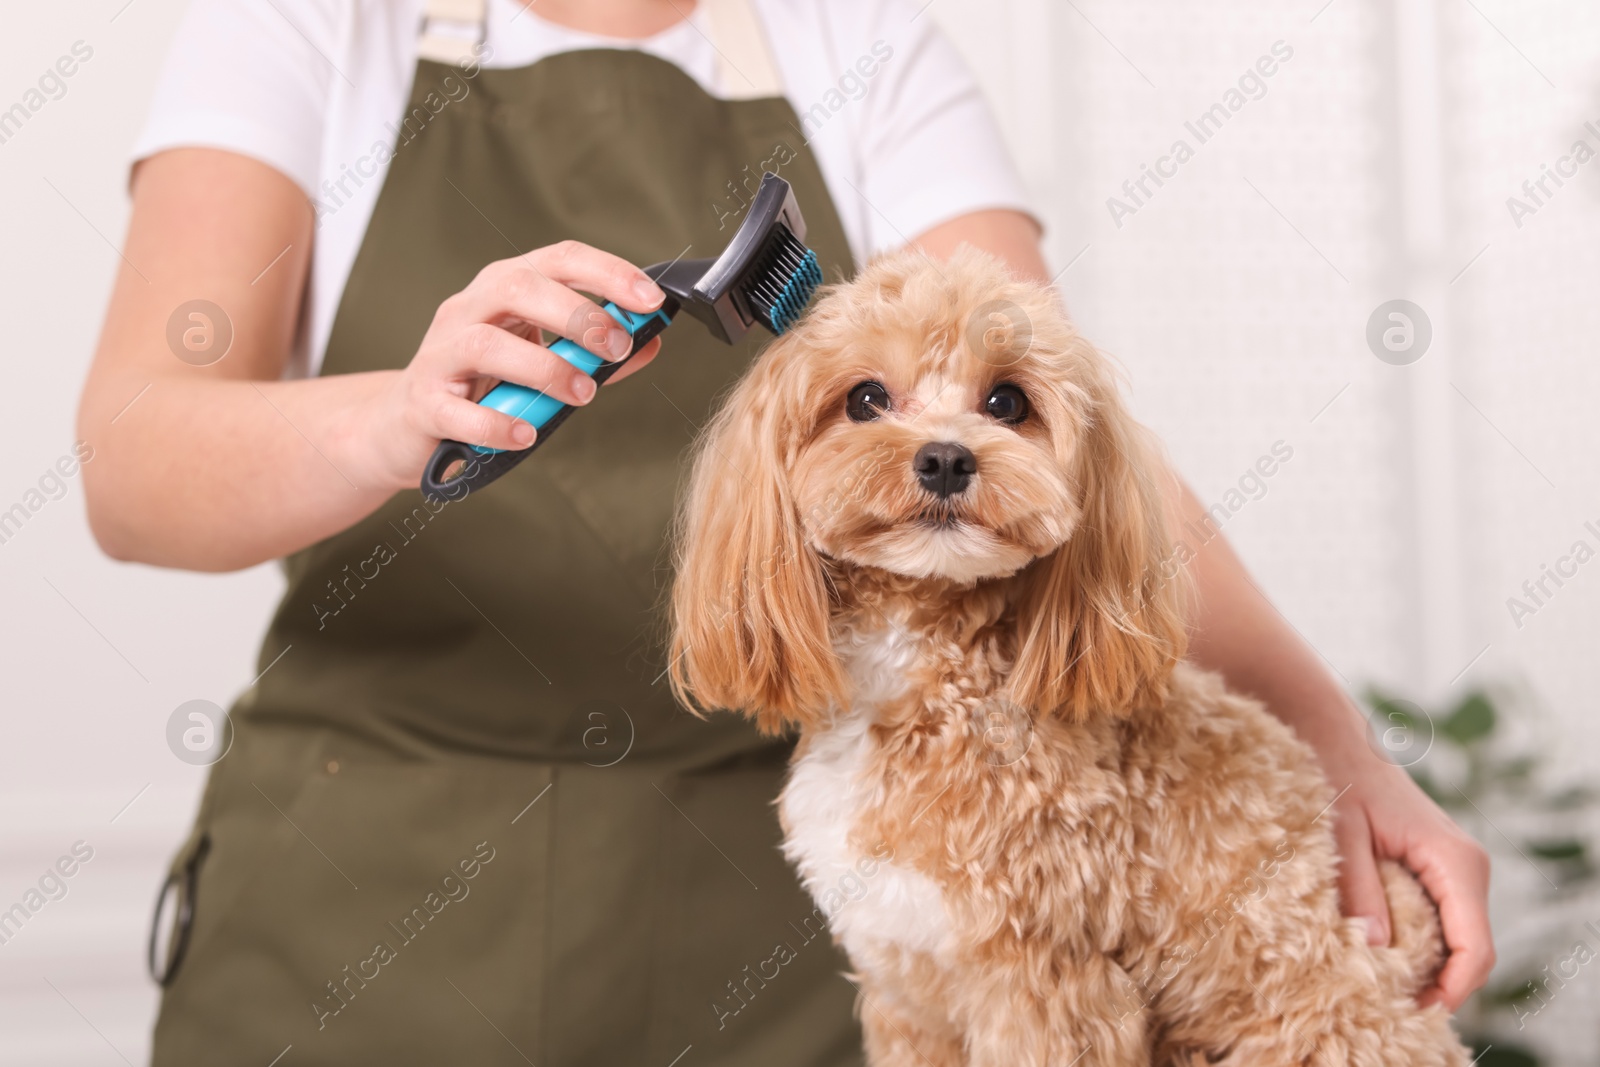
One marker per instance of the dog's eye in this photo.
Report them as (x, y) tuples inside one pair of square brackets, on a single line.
[(1007, 403), (866, 402)]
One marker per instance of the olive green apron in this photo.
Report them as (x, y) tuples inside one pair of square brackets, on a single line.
[(462, 819)]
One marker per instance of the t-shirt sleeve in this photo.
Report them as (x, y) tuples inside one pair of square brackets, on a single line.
[(249, 76), (930, 147)]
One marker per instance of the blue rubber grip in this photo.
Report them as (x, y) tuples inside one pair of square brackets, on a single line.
[(535, 407), (475, 466)]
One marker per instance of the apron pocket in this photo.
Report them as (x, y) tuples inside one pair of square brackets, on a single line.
[(386, 912), (746, 971)]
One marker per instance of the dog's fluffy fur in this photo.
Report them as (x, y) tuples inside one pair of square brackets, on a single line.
[(1096, 855)]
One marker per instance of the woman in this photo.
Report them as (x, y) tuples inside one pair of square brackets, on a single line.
[(461, 819)]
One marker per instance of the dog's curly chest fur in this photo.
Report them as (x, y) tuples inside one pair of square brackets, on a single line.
[(871, 901)]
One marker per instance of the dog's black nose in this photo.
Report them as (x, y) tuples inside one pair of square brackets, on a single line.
[(944, 467)]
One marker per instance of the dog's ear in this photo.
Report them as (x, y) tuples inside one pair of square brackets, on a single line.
[(1102, 621), (750, 601)]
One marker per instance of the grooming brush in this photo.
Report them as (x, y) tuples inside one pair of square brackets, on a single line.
[(765, 275)]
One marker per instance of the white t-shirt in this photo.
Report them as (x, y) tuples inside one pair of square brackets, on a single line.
[(313, 87)]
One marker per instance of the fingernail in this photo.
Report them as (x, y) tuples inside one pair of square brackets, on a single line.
[(648, 292), (583, 388), (522, 432), (619, 343), (1376, 934)]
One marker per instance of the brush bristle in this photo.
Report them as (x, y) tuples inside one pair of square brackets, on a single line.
[(783, 280)]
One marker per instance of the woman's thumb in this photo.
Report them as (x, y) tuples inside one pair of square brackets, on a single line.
[(1360, 887)]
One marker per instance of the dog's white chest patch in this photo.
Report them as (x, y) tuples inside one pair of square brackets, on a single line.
[(869, 900)]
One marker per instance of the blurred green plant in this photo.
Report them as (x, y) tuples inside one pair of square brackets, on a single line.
[(1464, 762)]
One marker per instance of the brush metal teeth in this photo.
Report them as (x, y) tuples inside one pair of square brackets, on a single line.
[(785, 281)]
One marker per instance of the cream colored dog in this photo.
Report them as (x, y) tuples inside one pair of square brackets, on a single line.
[(944, 557)]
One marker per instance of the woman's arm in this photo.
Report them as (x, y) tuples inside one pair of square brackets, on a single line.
[(215, 467), (223, 466), (1381, 813)]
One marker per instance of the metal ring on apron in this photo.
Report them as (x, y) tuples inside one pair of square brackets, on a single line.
[(183, 877)]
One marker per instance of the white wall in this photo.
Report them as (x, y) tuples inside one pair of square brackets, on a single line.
[(1376, 166)]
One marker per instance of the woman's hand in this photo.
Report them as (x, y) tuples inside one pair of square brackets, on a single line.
[(487, 333), (224, 463), (1383, 815)]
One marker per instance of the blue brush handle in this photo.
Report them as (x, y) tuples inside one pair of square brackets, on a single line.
[(545, 413), (538, 408)]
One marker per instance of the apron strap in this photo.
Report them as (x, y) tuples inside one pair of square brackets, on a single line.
[(451, 30), (745, 71)]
